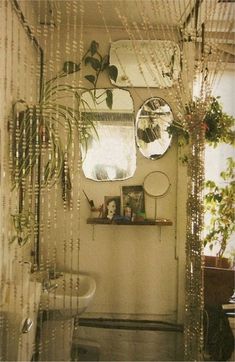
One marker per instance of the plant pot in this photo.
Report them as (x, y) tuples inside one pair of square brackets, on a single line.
[(217, 262), (218, 285)]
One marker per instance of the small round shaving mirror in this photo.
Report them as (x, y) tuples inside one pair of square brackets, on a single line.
[(156, 185)]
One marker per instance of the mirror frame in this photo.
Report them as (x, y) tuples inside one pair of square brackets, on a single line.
[(165, 191), (157, 156)]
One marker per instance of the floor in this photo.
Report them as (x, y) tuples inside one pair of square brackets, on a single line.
[(121, 340), (107, 344)]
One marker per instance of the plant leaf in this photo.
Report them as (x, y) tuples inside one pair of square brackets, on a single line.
[(90, 78), (94, 47), (105, 62), (109, 98), (70, 67), (95, 63), (113, 72)]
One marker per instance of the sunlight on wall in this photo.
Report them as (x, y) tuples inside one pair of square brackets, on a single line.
[(215, 158)]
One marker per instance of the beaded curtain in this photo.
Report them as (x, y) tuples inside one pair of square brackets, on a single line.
[(42, 75)]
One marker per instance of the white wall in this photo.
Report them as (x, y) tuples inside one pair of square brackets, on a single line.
[(18, 80)]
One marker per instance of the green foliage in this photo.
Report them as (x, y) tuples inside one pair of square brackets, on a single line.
[(23, 224), (219, 202), (99, 64), (113, 72), (90, 78), (70, 67), (109, 98), (47, 127), (218, 124)]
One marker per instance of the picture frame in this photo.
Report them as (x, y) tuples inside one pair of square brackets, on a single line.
[(133, 198), (112, 207)]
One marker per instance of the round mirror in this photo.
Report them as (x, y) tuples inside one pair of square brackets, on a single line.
[(152, 121), (156, 184)]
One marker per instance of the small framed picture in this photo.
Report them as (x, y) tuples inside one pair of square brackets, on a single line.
[(133, 199), (112, 206)]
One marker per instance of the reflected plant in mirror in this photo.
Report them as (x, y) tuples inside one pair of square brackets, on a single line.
[(110, 154), (152, 122)]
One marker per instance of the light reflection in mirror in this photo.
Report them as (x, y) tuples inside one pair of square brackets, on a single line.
[(110, 153), (152, 121)]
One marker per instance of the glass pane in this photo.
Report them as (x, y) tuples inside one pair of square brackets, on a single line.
[(110, 152)]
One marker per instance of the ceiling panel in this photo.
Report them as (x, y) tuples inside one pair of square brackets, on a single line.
[(141, 12), (218, 18)]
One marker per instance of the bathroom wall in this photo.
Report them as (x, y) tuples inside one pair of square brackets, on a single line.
[(19, 62), (19, 70), (139, 269)]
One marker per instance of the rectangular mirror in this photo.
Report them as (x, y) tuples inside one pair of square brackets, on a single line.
[(146, 63), (110, 152)]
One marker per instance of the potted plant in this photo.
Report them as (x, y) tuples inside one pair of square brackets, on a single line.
[(217, 125), (219, 203)]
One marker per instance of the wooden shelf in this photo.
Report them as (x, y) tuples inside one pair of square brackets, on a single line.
[(159, 222)]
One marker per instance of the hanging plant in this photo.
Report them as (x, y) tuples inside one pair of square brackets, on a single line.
[(46, 128), (217, 124)]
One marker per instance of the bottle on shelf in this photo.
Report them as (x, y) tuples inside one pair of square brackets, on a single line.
[(128, 211)]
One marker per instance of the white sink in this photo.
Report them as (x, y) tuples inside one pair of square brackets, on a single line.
[(70, 294)]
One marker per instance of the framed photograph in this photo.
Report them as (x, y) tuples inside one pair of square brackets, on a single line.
[(133, 198), (112, 206)]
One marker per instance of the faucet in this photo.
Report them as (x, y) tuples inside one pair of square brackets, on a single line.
[(53, 274), (48, 286)]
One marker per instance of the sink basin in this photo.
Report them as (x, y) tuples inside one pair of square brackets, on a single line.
[(70, 294)]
